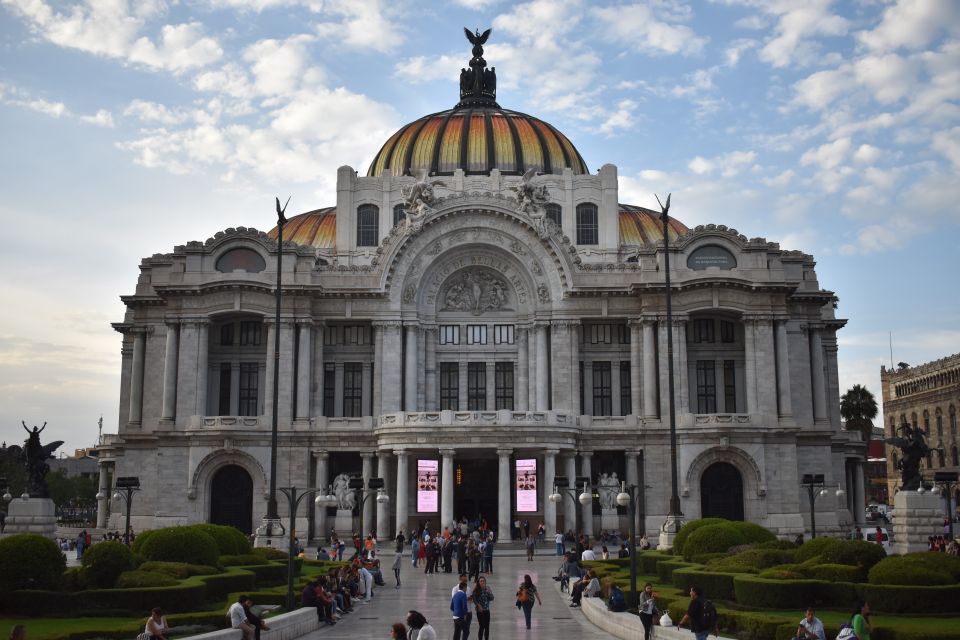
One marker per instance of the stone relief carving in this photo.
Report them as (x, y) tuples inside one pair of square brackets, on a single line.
[(409, 293), (536, 268), (517, 247), (543, 293), (532, 200), (435, 248), (476, 291), (418, 199)]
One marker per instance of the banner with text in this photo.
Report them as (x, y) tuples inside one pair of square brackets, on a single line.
[(526, 485)]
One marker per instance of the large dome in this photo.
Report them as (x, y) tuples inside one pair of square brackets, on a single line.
[(476, 140)]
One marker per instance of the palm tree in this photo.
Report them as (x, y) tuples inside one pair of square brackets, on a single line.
[(858, 408)]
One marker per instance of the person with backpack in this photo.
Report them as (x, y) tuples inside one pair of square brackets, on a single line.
[(525, 597), (860, 626), (701, 615)]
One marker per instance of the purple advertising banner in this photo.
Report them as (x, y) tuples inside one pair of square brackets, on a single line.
[(427, 483), (526, 485)]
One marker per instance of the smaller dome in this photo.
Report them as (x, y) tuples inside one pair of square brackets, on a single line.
[(316, 228), (639, 226)]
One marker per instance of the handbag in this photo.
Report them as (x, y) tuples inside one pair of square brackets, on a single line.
[(144, 636)]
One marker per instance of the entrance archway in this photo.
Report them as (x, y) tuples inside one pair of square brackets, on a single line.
[(475, 491), (721, 492), (231, 498)]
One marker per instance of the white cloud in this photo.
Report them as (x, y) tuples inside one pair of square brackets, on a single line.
[(700, 166), (948, 143), (154, 113), (827, 156), (363, 24), (797, 24), (736, 49), (419, 69), (867, 154), (621, 118), (912, 24), (181, 47), (52, 109), (780, 180), (820, 89), (101, 118), (645, 29), (476, 5), (728, 164), (279, 67), (888, 77)]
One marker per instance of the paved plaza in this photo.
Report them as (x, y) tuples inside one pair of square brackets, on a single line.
[(430, 594)]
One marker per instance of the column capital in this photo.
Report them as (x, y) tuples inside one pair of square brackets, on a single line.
[(400, 453), (569, 453), (387, 324), (551, 452), (305, 322), (367, 454), (322, 454), (504, 452), (448, 453), (565, 323), (586, 454), (637, 322), (539, 324)]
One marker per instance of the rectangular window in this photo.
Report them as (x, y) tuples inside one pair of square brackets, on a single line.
[(503, 375), (250, 332), (727, 332), (329, 388), (226, 336), (450, 386), (601, 333), (330, 335), (368, 216), (225, 381), (354, 334), (623, 334), (587, 224), (706, 387), (626, 404), (476, 386), (703, 330), (399, 215), (555, 214), (352, 390), (449, 334), (476, 334), (503, 334), (249, 388), (602, 394), (729, 387)]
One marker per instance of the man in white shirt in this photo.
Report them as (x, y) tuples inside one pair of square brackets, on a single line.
[(367, 578), (238, 618), (588, 555), (558, 539), (811, 628)]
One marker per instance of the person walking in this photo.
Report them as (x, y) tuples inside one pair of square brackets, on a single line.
[(647, 606), (482, 596), (488, 554), (397, 560), (460, 609), (420, 629), (860, 621), (531, 547), (526, 595), (398, 631), (415, 549)]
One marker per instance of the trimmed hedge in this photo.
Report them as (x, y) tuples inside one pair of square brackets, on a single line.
[(764, 593), (269, 575), (647, 561), (139, 579), (716, 586), (181, 544), (29, 561), (927, 569), (745, 625), (229, 540), (270, 553), (852, 552), (218, 587), (178, 570), (780, 573), (704, 558), (912, 599), (815, 547), (712, 538), (753, 533), (752, 561), (104, 562), (837, 573), (172, 599), (681, 538), (665, 569), (242, 560)]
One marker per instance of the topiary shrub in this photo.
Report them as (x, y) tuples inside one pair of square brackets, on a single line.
[(690, 527), (779, 573), (140, 540), (139, 579), (753, 533), (229, 540), (752, 561), (178, 570), (29, 561), (270, 553), (764, 593), (718, 586), (859, 553), (782, 545), (911, 599), (181, 544), (816, 547), (72, 579), (704, 558), (909, 570), (104, 562), (243, 560), (713, 538), (942, 561), (838, 573)]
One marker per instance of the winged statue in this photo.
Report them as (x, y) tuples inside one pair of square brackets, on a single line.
[(914, 449), (477, 38), (418, 198), (34, 457), (532, 199)]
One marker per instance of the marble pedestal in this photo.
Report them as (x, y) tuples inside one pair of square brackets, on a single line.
[(916, 516), (668, 531), (271, 533), (32, 515), (343, 523), (609, 520)]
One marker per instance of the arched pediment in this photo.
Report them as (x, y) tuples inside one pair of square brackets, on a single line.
[(748, 467), (213, 461)]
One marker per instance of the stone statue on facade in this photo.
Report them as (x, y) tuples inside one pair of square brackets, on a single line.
[(913, 449), (418, 199), (35, 456), (476, 291), (532, 200), (346, 497), (608, 487)]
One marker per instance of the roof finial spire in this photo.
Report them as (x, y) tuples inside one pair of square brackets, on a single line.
[(478, 85)]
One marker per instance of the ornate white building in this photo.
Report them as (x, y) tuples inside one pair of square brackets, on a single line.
[(476, 320)]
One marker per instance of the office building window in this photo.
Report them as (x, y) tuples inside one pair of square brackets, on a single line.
[(729, 387), (587, 224), (476, 334), (503, 334), (449, 334), (706, 387), (703, 330), (354, 334), (450, 386), (476, 386), (626, 404), (727, 333), (352, 390), (226, 335), (503, 380), (368, 223), (225, 381), (602, 395), (250, 332), (623, 333), (329, 389), (249, 388), (601, 334)]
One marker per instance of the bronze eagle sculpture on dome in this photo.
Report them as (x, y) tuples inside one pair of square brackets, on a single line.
[(477, 40)]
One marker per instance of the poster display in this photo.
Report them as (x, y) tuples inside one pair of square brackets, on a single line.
[(526, 485), (427, 484)]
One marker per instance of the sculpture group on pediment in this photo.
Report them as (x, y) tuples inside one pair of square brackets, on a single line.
[(475, 291), (532, 200), (418, 198)]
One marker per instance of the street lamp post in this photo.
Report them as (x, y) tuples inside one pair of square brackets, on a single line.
[(272, 515), (293, 501), (125, 487), (374, 488), (560, 484), (946, 482), (812, 482)]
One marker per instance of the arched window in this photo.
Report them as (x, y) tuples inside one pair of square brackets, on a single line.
[(940, 458), (555, 213), (939, 415), (399, 215), (587, 224), (893, 426), (953, 421), (913, 419), (926, 422), (368, 225), (953, 456)]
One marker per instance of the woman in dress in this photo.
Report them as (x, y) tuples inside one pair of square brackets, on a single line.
[(525, 597), (482, 596)]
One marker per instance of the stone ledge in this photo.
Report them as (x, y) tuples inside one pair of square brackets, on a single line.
[(287, 626)]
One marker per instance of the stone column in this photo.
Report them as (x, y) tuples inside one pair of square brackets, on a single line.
[(402, 487), (588, 387), (549, 473), (271, 369), (323, 482), (304, 369), (505, 513), (750, 357), (532, 367), (187, 369), (432, 395), (383, 510), (103, 489), (285, 369), (569, 501), (860, 505), (543, 391), (366, 382), (491, 386), (633, 478), (390, 374), (615, 387), (650, 408), (203, 367), (766, 367), (575, 369), (378, 372), (636, 367), (681, 366), (560, 374), (136, 377), (783, 371), (410, 370), (523, 371), (170, 372), (367, 473), (819, 382), (319, 369), (586, 518), (462, 396), (338, 389), (446, 488)]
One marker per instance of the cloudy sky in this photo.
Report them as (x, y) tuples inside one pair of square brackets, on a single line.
[(127, 128)]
